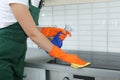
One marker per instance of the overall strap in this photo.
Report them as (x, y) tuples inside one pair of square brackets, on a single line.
[(30, 2), (40, 3)]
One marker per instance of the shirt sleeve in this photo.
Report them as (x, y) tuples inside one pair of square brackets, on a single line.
[(25, 2)]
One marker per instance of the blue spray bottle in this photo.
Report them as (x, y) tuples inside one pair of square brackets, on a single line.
[(56, 40)]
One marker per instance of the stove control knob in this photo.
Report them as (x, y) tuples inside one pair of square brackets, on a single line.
[(66, 78)]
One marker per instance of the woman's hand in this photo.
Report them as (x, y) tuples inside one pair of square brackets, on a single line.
[(52, 31), (74, 60)]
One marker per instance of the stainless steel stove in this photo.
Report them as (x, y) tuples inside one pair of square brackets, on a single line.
[(103, 64)]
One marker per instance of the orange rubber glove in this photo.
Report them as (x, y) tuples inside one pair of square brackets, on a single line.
[(69, 58), (63, 36), (52, 31)]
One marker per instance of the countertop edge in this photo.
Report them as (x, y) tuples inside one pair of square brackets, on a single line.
[(93, 72)]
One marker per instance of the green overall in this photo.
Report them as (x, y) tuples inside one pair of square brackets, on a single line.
[(13, 48)]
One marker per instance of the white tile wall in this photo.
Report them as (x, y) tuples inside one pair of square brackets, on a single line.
[(96, 26)]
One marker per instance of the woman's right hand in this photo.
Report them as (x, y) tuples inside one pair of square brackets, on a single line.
[(66, 57)]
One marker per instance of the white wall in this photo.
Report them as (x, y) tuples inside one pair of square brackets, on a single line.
[(95, 25)]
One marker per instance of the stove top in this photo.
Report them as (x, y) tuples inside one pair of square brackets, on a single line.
[(101, 60)]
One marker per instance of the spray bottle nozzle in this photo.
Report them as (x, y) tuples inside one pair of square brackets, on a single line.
[(68, 28)]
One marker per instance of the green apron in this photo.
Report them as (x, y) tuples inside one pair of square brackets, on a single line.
[(13, 48)]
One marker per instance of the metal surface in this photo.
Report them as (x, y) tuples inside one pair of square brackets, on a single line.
[(101, 60), (93, 72), (37, 55), (98, 68)]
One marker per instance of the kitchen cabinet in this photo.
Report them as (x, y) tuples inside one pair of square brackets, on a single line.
[(34, 74)]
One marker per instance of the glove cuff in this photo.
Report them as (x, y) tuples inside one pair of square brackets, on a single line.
[(54, 51)]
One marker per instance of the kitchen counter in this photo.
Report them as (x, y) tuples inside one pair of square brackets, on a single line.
[(92, 71)]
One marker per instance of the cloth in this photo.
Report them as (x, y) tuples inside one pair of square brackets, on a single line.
[(6, 16), (13, 48)]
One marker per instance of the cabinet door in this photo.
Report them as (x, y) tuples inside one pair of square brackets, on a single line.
[(34, 74)]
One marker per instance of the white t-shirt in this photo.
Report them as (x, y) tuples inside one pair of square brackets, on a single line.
[(6, 16)]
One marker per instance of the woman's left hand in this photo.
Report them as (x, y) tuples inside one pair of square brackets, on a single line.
[(52, 31)]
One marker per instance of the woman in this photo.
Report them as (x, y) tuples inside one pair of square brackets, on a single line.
[(19, 20)]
